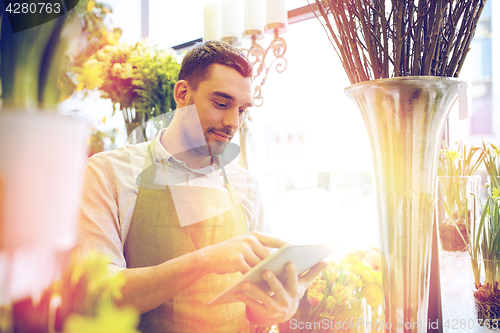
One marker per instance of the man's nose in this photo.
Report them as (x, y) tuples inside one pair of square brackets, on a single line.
[(232, 118)]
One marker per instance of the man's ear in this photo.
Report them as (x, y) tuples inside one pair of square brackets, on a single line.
[(181, 90)]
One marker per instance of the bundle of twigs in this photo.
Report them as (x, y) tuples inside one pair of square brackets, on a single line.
[(378, 39)]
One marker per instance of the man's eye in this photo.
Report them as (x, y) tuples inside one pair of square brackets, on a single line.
[(220, 105), (242, 112)]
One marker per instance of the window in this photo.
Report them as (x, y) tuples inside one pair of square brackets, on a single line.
[(310, 147)]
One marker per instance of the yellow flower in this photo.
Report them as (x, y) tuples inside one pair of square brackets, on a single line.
[(90, 6), (373, 294), (453, 155), (495, 193), (105, 53), (353, 281), (496, 150), (101, 282), (330, 303), (91, 73), (342, 294), (315, 291), (113, 38), (368, 277), (318, 284), (80, 86), (314, 297), (116, 69), (127, 71), (333, 307)]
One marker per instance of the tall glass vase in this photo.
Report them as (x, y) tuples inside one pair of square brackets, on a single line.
[(405, 118)]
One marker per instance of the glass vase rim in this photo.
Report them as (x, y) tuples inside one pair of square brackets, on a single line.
[(404, 78)]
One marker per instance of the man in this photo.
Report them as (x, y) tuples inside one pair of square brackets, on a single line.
[(174, 222)]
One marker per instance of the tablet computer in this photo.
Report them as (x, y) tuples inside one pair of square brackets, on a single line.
[(303, 256)]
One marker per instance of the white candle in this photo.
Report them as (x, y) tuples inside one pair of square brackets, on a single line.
[(232, 18), (212, 21), (276, 12), (254, 15)]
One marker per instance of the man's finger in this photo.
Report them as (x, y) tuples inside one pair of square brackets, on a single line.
[(260, 250), (292, 279), (245, 268), (269, 241), (275, 284), (252, 259), (249, 301), (256, 293)]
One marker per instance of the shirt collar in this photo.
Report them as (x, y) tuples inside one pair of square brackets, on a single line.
[(164, 157)]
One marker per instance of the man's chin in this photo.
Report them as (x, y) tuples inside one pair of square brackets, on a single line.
[(216, 147)]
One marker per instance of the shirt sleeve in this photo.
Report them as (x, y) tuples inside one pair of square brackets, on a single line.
[(99, 224)]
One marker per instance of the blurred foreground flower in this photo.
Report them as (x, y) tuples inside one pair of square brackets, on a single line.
[(82, 301)]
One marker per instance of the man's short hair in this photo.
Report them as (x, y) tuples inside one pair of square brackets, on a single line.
[(196, 63)]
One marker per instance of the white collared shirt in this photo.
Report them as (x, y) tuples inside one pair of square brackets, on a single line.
[(111, 187)]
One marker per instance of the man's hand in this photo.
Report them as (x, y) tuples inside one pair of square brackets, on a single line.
[(265, 310), (240, 253), (244, 252)]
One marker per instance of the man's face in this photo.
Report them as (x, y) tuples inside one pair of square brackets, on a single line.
[(221, 101)]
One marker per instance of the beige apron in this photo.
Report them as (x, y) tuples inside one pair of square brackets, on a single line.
[(155, 236)]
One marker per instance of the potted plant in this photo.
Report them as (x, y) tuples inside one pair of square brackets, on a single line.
[(486, 291), (485, 250), (482, 239), (458, 195)]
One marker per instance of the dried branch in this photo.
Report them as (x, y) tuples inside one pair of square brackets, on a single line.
[(380, 39)]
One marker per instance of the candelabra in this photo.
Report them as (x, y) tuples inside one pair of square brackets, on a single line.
[(225, 19), (258, 56)]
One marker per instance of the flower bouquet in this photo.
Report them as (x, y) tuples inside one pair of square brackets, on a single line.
[(139, 79), (342, 298)]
